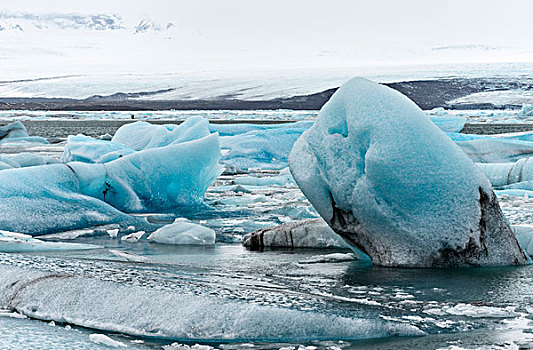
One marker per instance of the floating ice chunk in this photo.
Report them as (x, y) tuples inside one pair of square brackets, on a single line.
[(10, 314), (329, 258), (130, 256), (185, 233), (82, 148), (313, 233), (178, 346), (47, 199), (449, 123), (105, 340), (133, 237), (113, 233), (470, 310), (485, 149), (524, 235), (526, 110), (519, 174), (11, 242), (16, 133), (161, 178), (258, 146), (143, 135), (390, 182), (169, 313), (22, 160)]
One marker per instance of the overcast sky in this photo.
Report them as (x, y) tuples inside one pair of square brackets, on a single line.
[(333, 32)]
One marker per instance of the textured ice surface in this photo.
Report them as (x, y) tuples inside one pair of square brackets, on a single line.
[(48, 198), (390, 182), (524, 234), (448, 123), (258, 146), (168, 174), (23, 159), (16, 133), (17, 243), (82, 148), (141, 310), (148, 167), (518, 175), (312, 233), (143, 135), (105, 340), (181, 232), (164, 177), (493, 149)]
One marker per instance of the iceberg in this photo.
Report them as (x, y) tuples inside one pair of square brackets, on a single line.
[(86, 149), (312, 233), (526, 111), (491, 149), (16, 133), (47, 199), (143, 135), (524, 235), (258, 146), (58, 197), (518, 175), (183, 233), (394, 185), (142, 310), (23, 159), (156, 179)]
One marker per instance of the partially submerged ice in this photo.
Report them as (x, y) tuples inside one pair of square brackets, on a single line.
[(310, 233), (183, 233), (16, 133), (391, 183), (13, 242), (46, 199), (518, 175), (103, 179)]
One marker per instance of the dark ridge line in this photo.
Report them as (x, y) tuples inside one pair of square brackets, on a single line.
[(38, 79)]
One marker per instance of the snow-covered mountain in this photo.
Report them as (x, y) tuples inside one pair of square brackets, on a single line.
[(28, 22), (251, 50)]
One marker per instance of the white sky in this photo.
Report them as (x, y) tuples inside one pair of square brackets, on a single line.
[(297, 33)]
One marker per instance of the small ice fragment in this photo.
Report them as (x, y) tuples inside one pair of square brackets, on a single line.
[(133, 237), (130, 256), (105, 340), (181, 232), (329, 258)]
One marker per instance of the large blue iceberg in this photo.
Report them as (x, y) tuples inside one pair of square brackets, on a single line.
[(146, 168), (393, 184)]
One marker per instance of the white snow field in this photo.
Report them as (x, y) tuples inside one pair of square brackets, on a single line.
[(389, 181)]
